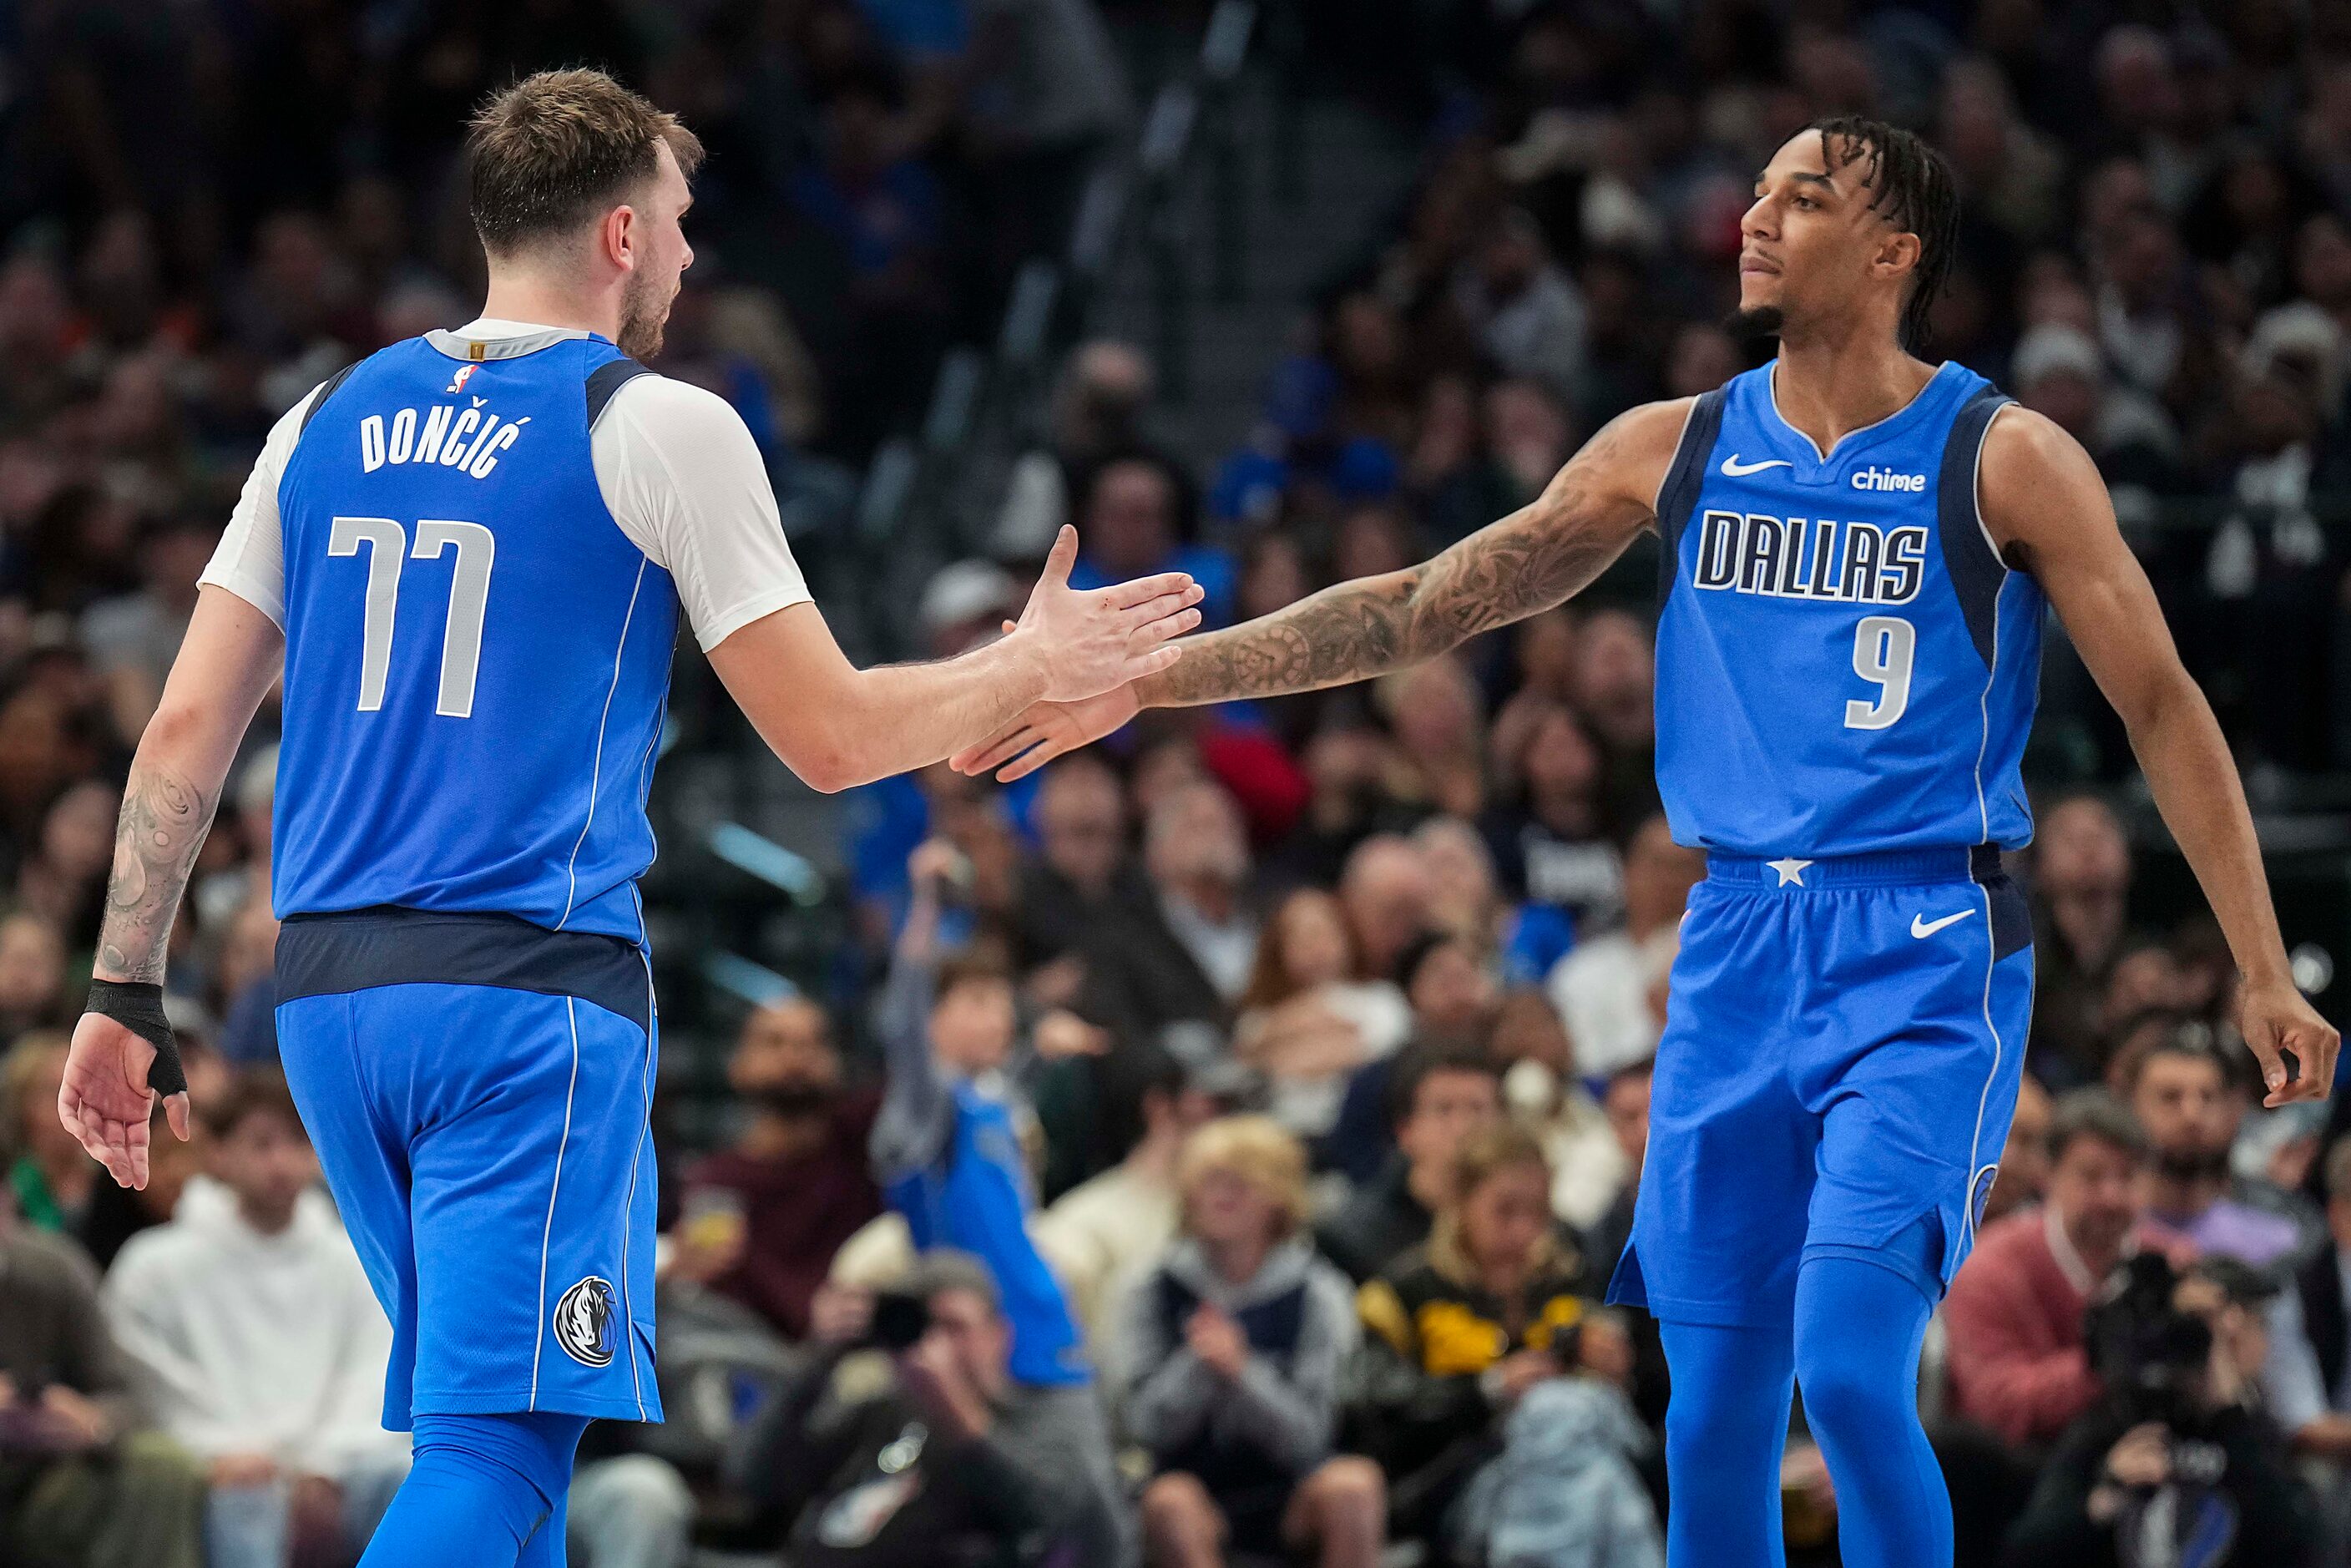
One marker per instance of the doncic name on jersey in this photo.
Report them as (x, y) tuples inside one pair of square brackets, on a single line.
[(466, 439)]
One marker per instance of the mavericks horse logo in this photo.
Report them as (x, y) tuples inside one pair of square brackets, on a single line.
[(583, 1322)]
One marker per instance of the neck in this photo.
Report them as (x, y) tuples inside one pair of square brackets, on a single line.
[(1154, 1155), (1505, 1279), (774, 1135), (2096, 1261), (267, 1221), (2184, 1197), (1847, 375), (2091, 923), (544, 302), (1238, 1260), (1209, 897)]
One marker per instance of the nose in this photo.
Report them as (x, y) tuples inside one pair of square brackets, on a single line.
[(1757, 221)]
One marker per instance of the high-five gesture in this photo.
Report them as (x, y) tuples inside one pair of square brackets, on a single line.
[(1097, 640)]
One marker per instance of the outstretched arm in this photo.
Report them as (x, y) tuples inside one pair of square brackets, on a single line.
[(837, 726), (226, 665), (1536, 558), (2047, 509)]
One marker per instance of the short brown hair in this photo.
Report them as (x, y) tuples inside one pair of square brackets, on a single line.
[(255, 1092), (554, 150)]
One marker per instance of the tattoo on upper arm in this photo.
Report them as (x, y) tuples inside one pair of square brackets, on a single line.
[(1529, 561), (164, 818)]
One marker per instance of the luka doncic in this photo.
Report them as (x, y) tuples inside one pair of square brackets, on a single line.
[(1858, 551), (470, 551)]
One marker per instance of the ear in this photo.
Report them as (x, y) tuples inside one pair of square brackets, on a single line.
[(618, 239), (1898, 253)]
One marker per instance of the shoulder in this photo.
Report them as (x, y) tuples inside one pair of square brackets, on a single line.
[(51, 1265), (1635, 450), (161, 1250), (664, 408), (2027, 457)]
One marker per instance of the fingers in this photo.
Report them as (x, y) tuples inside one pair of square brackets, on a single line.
[(1059, 559), (1151, 661), (2265, 1051), (1003, 748), (1029, 762), (2322, 1080), (1169, 615), (175, 1112), (135, 1152), (1177, 585)]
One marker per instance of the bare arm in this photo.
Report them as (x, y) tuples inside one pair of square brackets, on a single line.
[(1536, 558), (837, 725), (226, 664), (2048, 510)]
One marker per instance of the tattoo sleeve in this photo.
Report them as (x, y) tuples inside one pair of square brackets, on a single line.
[(1529, 561), (164, 818)]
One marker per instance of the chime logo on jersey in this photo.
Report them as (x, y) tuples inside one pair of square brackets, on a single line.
[(583, 1322), (1810, 558)]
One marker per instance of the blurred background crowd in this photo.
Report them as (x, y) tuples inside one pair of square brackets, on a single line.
[(1305, 1043)]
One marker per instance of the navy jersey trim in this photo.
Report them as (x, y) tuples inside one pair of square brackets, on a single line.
[(326, 391), (607, 379), (1678, 496), (1975, 568), (360, 949)]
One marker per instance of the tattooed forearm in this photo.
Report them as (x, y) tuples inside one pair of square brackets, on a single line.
[(164, 818), (1529, 561)]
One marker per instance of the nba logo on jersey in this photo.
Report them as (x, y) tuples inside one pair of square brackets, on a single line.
[(464, 375)]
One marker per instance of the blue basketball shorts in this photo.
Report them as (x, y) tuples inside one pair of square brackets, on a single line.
[(1842, 1050), (479, 1093)]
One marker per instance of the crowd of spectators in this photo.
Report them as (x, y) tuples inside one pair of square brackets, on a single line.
[(1217, 1149)]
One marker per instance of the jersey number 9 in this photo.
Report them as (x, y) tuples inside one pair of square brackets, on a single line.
[(469, 600), (1883, 648)]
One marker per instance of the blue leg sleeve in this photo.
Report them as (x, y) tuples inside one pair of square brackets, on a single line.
[(1725, 1429), (482, 1489), (1859, 1324)]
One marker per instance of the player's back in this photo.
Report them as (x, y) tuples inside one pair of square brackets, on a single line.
[(1844, 664), (477, 657)]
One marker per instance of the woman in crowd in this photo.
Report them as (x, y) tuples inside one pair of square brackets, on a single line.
[(1231, 1351), (1304, 1023), (1492, 1393)]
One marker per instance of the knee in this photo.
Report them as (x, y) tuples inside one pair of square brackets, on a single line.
[(1844, 1395), (1348, 1485), (1178, 1503)]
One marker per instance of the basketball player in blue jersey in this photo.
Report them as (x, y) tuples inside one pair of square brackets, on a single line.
[(1858, 547), (469, 551)]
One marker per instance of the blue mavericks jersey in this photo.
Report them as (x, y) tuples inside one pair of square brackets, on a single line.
[(477, 657), (1844, 664)]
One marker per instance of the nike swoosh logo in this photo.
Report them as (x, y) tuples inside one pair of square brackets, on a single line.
[(1922, 927), (1735, 469)]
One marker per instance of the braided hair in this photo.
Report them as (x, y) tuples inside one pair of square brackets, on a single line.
[(1913, 186)]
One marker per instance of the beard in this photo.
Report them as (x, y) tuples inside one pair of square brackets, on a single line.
[(2192, 1164), (792, 1099), (642, 320), (1755, 325)]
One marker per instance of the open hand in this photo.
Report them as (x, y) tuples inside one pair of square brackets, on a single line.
[(2276, 1018), (1046, 730), (105, 1102), (1097, 640)]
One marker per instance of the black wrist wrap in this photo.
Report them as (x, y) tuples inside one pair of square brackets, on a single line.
[(138, 1006)]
